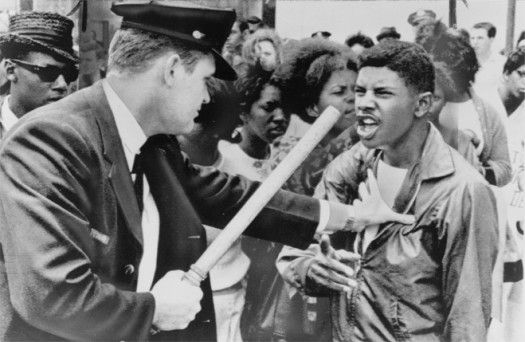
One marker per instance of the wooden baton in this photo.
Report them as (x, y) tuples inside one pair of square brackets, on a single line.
[(234, 229)]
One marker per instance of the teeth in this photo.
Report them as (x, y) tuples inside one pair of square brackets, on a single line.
[(369, 121)]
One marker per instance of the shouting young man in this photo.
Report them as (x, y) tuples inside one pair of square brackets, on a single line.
[(427, 281)]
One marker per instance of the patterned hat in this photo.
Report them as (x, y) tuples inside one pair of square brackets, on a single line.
[(44, 31)]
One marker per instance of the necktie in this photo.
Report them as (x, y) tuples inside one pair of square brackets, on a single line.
[(138, 185)]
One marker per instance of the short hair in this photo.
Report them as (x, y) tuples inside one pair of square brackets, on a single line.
[(262, 35), (449, 46), (251, 80), (515, 60), (223, 105), (428, 32), (134, 50), (491, 29), (408, 60), (361, 39), (307, 68), (444, 80)]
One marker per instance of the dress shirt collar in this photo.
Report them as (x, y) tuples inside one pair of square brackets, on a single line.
[(8, 118), (129, 130)]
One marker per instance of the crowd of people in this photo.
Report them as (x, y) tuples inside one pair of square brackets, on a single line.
[(404, 223)]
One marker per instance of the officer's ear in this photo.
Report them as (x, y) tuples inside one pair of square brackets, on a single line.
[(424, 103), (172, 68)]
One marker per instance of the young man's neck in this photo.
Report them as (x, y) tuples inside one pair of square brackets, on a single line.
[(510, 101), (254, 146), (409, 149)]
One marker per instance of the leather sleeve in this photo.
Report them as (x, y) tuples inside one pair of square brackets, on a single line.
[(288, 218)]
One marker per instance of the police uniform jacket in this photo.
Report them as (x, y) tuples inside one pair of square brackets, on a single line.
[(70, 232)]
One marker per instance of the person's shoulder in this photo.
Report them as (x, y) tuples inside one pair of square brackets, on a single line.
[(358, 152), (68, 118), (465, 175)]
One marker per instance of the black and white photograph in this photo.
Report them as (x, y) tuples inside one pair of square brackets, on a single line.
[(262, 170)]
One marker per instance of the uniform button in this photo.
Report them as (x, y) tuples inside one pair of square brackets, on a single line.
[(129, 269)]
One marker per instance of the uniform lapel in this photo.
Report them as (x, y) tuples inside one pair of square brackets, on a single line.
[(118, 172)]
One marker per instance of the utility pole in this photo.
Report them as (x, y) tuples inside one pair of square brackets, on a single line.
[(511, 21), (268, 12), (452, 19)]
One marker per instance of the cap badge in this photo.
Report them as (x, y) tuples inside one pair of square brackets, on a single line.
[(198, 34)]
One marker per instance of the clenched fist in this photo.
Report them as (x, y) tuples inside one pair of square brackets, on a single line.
[(176, 302)]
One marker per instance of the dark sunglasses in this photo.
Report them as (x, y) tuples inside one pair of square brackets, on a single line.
[(49, 73)]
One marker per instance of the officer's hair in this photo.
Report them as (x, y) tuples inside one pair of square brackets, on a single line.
[(491, 29), (133, 50), (408, 60), (515, 60)]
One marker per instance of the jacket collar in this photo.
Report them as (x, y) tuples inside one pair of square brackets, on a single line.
[(113, 151), (436, 160)]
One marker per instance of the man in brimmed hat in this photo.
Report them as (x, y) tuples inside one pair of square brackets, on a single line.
[(39, 63), (388, 33), (100, 212)]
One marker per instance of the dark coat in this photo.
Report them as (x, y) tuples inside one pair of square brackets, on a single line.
[(70, 232)]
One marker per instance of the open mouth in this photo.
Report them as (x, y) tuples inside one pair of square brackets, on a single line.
[(367, 125), (278, 130)]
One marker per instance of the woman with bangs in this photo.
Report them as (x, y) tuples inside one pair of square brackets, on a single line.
[(317, 74)]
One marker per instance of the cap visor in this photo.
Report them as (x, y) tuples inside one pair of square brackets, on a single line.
[(223, 70)]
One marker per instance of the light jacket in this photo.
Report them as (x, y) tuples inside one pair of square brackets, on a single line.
[(430, 281), (495, 153)]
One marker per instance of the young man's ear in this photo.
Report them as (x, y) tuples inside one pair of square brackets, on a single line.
[(424, 104), (171, 68), (312, 111)]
